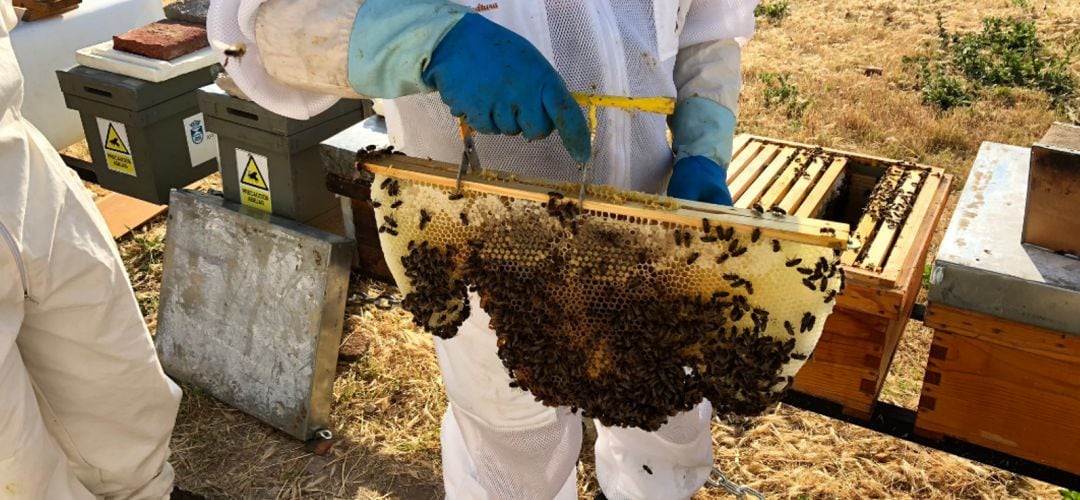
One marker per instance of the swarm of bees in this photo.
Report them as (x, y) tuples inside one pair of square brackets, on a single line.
[(625, 321)]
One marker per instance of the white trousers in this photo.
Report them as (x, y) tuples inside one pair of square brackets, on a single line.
[(499, 442), (85, 409)]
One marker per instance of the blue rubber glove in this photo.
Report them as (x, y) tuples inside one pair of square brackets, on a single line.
[(702, 135), (498, 81), (501, 84), (698, 178)]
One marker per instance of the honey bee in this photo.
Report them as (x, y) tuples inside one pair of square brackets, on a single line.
[(396, 204), (705, 225), (376, 204), (808, 322), (464, 219), (829, 231), (756, 235), (235, 51), (425, 217), (794, 262), (455, 196), (790, 329), (693, 258), (776, 246)]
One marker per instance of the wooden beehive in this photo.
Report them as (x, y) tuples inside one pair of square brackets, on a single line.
[(884, 274), (1004, 368), (1003, 385)]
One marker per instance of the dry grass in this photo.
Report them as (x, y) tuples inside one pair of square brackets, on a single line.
[(388, 398)]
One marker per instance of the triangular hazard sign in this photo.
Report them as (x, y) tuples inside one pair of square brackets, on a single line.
[(113, 142), (252, 176)]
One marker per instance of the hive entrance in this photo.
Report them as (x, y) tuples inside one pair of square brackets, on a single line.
[(629, 316)]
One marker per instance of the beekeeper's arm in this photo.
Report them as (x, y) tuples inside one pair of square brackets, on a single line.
[(708, 76), (301, 55)]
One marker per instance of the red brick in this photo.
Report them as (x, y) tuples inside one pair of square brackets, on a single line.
[(165, 40)]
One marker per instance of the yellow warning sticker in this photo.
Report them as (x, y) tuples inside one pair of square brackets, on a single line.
[(114, 140), (254, 180)]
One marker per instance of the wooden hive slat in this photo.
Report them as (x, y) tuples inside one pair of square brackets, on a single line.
[(738, 144), (753, 193), (803, 185), (819, 195), (918, 229), (787, 179), (882, 244), (742, 158), (746, 175), (868, 224)]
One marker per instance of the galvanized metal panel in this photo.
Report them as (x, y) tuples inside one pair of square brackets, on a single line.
[(252, 307), (982, 264), (339, 152)]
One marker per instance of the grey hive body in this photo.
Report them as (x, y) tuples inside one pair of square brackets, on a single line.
[(153, 114)]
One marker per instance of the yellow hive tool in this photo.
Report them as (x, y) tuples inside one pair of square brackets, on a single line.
[(470, 159), (658, 105)]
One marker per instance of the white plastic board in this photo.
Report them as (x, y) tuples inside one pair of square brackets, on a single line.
[(104, 57)]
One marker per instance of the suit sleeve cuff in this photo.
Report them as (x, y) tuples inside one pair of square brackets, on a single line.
[(392, 42), (702, 127)]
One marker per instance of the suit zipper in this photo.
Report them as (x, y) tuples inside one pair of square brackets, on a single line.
[(10, 240)]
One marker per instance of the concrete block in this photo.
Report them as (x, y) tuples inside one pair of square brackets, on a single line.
[(252, 307), (165, 40), (192, 11)]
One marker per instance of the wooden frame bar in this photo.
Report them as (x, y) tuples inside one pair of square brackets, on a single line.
[(809, 231)]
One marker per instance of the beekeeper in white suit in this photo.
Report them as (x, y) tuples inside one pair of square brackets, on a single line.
[(85, 409), (507, 67)]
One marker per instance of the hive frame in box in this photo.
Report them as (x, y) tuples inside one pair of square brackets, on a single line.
[(853, 357)]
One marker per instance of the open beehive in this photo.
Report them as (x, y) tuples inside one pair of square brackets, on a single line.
[(631, 308), (893, 208)]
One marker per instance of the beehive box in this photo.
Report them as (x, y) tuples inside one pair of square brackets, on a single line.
[(884, 274), (1004, 367)]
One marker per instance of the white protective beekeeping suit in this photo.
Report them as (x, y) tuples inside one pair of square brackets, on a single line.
[(85, 409), (498, 442)]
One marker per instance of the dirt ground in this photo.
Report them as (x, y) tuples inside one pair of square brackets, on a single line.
[(388, 400)]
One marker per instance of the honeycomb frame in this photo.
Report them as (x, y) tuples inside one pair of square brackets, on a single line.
[(628, 318)]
